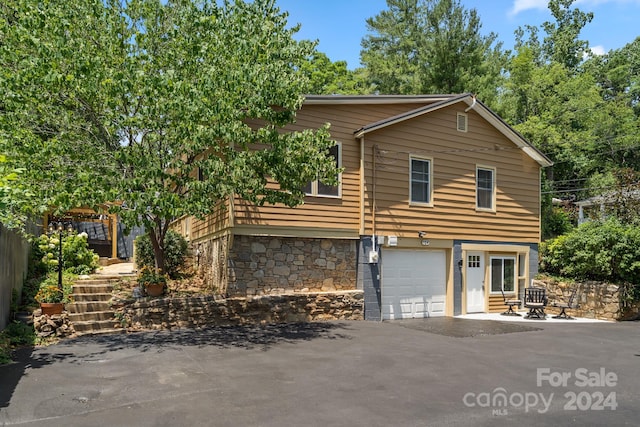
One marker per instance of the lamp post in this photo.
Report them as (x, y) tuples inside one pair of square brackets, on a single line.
[(59, 227)]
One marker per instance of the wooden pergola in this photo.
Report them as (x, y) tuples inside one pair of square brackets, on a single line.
[(89, 215)]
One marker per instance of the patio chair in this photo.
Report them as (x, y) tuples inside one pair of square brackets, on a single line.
[(510, 303), (571, 303), (535, 299)]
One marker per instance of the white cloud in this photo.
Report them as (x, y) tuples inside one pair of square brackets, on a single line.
[(522, 5), (598, 50)]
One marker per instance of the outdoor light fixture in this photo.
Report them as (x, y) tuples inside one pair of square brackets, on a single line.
[(422, 234), (59, 227)]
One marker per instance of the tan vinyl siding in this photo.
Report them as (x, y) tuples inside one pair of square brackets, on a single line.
[(212, 224), (325, 212), (455, 157), (496, 304)]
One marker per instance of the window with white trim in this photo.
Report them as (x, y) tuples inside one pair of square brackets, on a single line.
[(503, 274), (420, 186), (318, 188), (485, 188)]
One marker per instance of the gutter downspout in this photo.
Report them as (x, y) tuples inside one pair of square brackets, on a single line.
[(473, 104), (361, 231), (373, 189)]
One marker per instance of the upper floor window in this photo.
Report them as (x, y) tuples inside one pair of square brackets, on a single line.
[(317, 187), (420, 189), (485, 188)]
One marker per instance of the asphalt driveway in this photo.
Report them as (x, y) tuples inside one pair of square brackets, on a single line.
[(440, 372)]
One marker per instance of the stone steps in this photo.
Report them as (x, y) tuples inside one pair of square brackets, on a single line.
[(91, 297), (88, 306), (92, 288), (95, 326), (91, 316), (91, 312)]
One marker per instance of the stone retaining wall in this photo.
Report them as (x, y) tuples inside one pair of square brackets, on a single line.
[(596, 300), (56, 325), (260, 265), (189, 312)]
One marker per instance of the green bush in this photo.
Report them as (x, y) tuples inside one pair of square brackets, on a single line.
[(596, 250), (14, 335), (175, 252), (555, 222), (77, 258)]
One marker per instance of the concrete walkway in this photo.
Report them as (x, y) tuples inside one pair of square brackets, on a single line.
[(117, 269), (429, 372), (532, 321)]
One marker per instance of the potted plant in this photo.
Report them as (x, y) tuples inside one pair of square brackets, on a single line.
[(51, 298), (151, 281)]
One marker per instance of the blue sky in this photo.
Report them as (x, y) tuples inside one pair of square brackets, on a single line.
[(339, 25)]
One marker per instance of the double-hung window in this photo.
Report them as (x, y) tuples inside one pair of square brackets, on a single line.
[(421, 181), (503, 274), (485, 188), (318, 188)]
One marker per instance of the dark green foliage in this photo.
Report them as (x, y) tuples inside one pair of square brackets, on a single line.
[(431, 46), (14, 335), (606, 251), (555, 222), (175, 249)]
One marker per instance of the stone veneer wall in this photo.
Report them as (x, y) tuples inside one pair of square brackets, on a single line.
[(211, 259), (188, 312), (596, 300), (260, 265)]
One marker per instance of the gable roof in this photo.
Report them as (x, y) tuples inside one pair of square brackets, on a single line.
[(434, 103)]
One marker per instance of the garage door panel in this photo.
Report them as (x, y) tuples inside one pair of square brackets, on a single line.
[(414, 284)]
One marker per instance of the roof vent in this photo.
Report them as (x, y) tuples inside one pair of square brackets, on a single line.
[(462, 122)]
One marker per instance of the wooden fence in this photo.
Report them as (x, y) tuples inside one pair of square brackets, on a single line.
[(14, 255)]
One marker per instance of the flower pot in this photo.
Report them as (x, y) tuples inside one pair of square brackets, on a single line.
[(51, 308), (155, 290)]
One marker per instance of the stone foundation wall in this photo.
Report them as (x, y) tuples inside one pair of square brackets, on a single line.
[(275, 265), (189, 312), (211, 263), (597, 300)]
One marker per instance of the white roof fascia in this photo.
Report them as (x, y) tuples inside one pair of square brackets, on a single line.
[(372, 99)]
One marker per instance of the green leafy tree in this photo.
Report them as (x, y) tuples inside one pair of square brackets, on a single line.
[(329, 78), (561, 43), (431, 46), (165, 108)]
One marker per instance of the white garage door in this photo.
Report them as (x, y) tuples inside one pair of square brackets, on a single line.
[(413, 284)]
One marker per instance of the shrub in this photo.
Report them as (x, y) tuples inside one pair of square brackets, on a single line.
[(596, 250), (77, 258), (175, 252), (14, 335)]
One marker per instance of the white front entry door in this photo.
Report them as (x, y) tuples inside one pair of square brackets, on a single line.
[(475, 282)]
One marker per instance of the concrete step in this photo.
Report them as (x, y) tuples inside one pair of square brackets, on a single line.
[(91, 327), (82, 288), (88, 306), (91, 316), (91, 297), (97, 281), (102, 331)]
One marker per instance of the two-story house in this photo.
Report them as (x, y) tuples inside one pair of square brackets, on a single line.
[(436, 213)]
